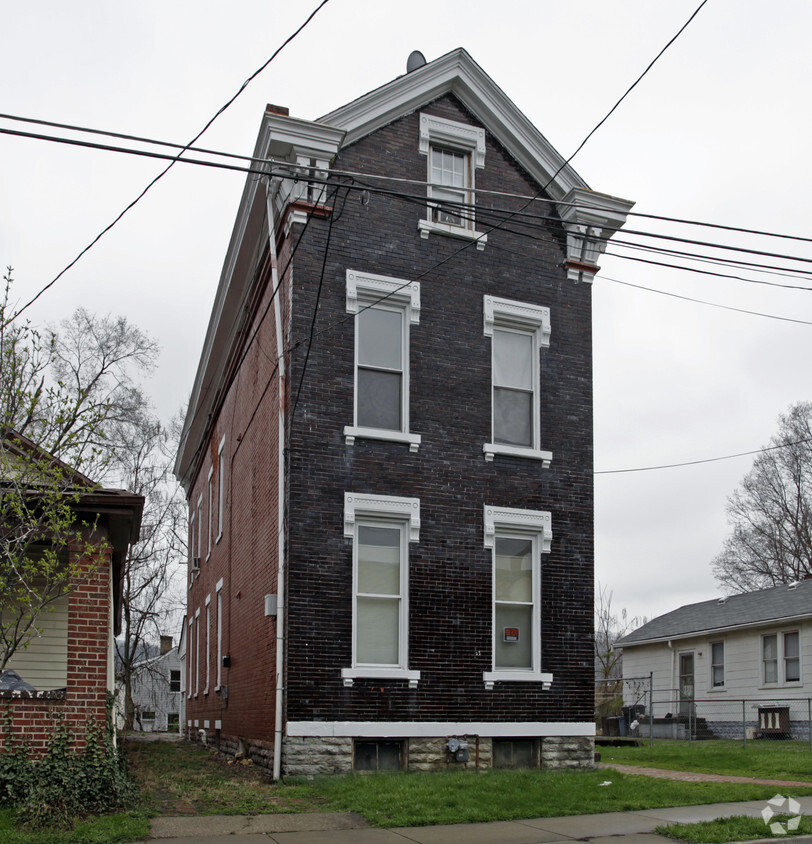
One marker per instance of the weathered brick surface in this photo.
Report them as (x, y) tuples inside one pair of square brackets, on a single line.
[(85, 697), (450, 372)]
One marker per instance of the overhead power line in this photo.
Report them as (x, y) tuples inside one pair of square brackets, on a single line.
[(157, 178)]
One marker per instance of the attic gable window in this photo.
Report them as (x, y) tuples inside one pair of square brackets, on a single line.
[(454, 151)]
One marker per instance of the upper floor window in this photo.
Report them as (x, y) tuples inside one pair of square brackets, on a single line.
[(455, 151), (517, 538), (518, 331), (174, 681), (386, 308), (381, 528)]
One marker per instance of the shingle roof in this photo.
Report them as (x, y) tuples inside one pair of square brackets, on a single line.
[(749, 609)]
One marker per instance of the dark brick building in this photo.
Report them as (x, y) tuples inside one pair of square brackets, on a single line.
[(397, 384)]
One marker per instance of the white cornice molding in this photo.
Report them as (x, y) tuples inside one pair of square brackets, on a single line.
[(533, 521), (356, 504), (458, 74)]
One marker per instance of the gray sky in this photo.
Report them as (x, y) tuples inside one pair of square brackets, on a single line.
[(717, 131)]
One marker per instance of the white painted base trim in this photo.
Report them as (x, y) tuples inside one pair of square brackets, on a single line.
[(430, 729)]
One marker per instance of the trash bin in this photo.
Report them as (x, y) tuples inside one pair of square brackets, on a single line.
[(613, 725)]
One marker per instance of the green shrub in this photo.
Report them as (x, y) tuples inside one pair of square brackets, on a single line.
[(64, 784)]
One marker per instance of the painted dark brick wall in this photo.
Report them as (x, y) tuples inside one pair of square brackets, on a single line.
[(449, 569)]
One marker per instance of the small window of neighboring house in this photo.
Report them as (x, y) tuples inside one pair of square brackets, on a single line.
[(518, 332), (792, 661), (386, 309), (455, 151), (717, 664), (517, 538), (174, 681), (148, 716), (173, 721), (381, 528)]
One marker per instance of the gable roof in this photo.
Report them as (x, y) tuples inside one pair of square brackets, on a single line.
[(780, 604), (458, 74)]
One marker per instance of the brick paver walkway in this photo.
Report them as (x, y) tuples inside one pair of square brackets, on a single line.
[(692, 776)]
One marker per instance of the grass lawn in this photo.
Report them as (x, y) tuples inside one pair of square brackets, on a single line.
[(738, 828), (777, 760)]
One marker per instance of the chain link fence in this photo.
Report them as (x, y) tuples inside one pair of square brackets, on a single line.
[(632, 708)]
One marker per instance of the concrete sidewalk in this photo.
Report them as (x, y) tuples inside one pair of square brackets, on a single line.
[(346, 828)]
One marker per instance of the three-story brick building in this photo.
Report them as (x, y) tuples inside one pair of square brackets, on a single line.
[(388, 450)]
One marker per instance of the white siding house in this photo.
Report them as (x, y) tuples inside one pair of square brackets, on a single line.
[(738, 665)]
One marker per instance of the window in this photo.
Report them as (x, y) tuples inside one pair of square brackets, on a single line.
[(209, 505), (515, 753), (780, 658), (221, 472), (219, 590), (377, 755), (174, 681), (148, 715), (381, 528), (454, 151), (517, 331), (517, 538), (192, 559), (197, 652), (386, 308), (208, 642), (792, 664), (717, 664), (173, 722), (199, 527), (190, 666)]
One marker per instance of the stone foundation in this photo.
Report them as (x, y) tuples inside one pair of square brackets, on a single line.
[(568, 752), (311, 755)]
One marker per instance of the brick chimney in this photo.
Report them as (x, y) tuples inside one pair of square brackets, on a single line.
[(166, 644)]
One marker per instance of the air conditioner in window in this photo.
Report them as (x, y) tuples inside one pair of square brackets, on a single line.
[(196, 563)]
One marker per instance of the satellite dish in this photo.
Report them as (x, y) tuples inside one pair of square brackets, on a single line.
[(416, 59)]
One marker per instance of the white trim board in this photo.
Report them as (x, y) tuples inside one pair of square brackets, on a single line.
[(431, 729)]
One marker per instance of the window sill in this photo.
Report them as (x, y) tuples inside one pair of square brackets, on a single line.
[(348, 675), (427, 227), (491, 449), (351, 433), (491, 677)]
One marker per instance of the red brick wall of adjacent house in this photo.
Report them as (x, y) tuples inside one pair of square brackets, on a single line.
[(34, 719), (245, 558)]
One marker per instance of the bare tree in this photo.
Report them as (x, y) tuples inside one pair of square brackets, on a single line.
[(609, 627), (152, 584), (65, 396), (771, 512)]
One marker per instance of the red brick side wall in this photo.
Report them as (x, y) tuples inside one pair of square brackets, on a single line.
[(35, 719)]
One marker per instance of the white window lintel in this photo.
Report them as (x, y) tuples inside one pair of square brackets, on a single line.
[(348, 675), (356, 504), (491, 677), (397, 291), (531, 521), (520, 315), (439, 130)]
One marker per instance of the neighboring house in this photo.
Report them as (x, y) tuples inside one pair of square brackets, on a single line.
[(730, 662), (388, 449), (158, 691), (68, 667)]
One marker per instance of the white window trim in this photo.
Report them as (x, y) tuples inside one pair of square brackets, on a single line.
[(219, 591), (534, 319), (393, 509), (364, 289), (781, 664), (461, 137), (208, 642), (199, 526), (197, 651), (190, 672), (210, 490), (220, 487), (538, 524), (723, 686)]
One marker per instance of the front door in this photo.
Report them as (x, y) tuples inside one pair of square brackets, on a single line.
[(686, 684)]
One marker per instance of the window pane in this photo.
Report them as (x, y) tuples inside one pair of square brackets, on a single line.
[(792, 670), (514, 570), (791, 645), (447, 168), (513, 654), (513, 359), (770, 645), (380, 342), (379, 560), (512, 417), (718, 653), (378, 632), (379, 399)]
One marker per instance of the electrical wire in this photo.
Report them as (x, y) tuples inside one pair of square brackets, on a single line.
[(160, 175), (706, 460)]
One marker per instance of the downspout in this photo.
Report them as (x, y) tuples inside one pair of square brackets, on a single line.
[(280, 494)]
